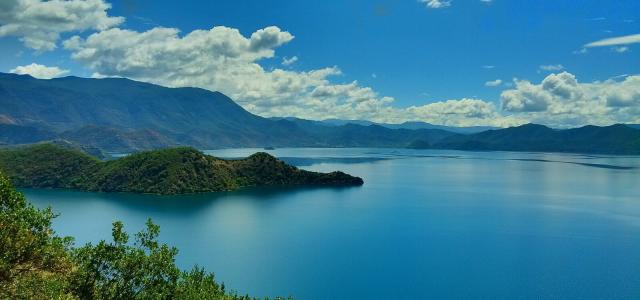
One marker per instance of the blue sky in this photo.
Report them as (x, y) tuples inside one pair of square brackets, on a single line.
[(414, 52)]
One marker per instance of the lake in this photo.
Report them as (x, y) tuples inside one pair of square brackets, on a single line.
[(426, 224)]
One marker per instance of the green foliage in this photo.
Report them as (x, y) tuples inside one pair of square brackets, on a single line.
[(168, 171), (47, 166), (117, 270), (37, 264), (34, 262)]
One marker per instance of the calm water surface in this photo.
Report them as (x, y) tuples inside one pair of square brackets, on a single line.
[(426, 224)]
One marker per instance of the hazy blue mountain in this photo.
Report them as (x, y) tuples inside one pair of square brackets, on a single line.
[(119, 140), (352, 135), (15, 134), (413, 125), (182, 115), (424, 125), (614, 139), (635, 126), (118, 114), (339, 122)]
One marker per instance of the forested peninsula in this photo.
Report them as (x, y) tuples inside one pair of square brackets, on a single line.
[(171, 171)]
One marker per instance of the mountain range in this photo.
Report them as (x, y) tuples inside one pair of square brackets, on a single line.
[(413, 125), (117, 114), (614, 139), (123, 115)]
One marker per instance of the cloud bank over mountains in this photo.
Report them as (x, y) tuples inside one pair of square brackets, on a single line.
[(223, 59)]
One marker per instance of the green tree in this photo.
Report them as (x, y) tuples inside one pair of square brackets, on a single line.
[(118, 270), (37, 264), (34, 262)]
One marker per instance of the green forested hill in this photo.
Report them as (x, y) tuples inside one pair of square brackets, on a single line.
[(169, 171)]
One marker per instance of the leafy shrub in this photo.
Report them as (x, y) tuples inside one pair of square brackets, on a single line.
[(37, 264)]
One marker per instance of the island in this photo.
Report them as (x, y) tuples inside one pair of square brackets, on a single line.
[(171, 171)]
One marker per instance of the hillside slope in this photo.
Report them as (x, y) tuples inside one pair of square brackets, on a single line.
[(122, 115)]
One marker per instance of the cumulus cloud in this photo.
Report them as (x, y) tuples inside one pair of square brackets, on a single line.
[(222, 59), (436, 3), (493, 83), (268, 38), (525, 98), (616, 41), (461, 112), (562, 85), (38, 24), (625, 93), (561, 100), (287, 61), (39, 71)]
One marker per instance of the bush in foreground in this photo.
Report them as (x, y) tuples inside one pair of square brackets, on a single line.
[(35, 263)]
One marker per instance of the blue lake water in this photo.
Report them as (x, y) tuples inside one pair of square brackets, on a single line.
[(426, 224)]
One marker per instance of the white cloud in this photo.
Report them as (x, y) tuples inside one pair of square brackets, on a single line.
[(462, 112), (621, 49), (525, 98), (286, 61), (557, 67), (436, 3), (38, 24), (560, 100), (625, 93), (268, 38), (222, 59), (493, 83), (374, 75), (39, 71), (615, 41), (488, 67), (486, 1)]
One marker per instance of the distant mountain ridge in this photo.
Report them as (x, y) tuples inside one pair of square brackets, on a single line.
[(122, 115), (411, 125), (614, 139), (118, 114)]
